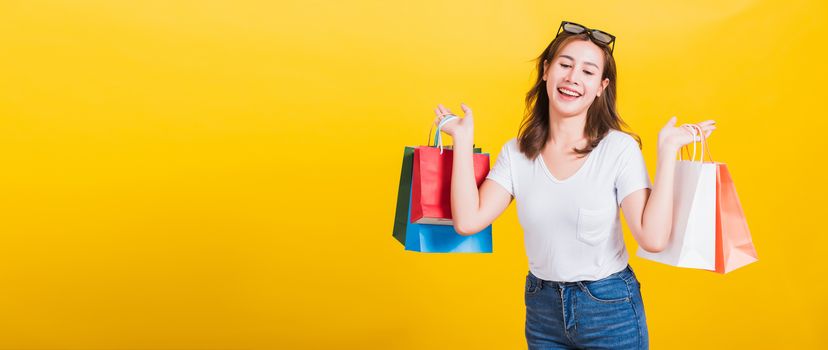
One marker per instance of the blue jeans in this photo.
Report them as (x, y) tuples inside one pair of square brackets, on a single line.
[(603, 314)]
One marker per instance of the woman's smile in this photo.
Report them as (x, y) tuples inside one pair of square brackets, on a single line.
[(568, 94)]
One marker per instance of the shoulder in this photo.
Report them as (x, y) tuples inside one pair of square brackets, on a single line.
[(510, 146), (621, 141), (510, 149), (620, 137)]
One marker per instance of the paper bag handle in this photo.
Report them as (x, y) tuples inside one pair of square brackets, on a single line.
[(692, 130), (438, 138)]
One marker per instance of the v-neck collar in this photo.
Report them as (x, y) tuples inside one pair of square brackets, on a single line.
[(577, 172)]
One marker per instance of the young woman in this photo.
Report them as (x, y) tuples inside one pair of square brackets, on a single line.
[(570, 168)]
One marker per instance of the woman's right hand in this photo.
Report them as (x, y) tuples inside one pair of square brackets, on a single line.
[(459, 128)]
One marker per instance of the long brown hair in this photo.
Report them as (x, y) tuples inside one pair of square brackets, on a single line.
[(601, 115)]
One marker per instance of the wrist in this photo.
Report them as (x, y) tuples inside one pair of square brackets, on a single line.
[(665, 146), (668, 150), (462, 140)]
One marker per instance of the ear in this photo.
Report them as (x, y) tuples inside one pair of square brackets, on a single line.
[(604, 85), (545, 66)]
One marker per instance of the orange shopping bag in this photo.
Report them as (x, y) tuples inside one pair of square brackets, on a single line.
[(734, 245)]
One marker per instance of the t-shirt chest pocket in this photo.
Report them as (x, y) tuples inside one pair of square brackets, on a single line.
[(595, 225)]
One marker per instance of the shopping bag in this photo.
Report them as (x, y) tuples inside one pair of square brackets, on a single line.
[(692, 240), (426, 237), (402, 214), (734, 245)]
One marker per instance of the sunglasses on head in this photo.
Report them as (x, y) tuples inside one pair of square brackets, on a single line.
[(595, 34)]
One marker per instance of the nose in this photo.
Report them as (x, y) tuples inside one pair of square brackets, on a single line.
[(570, 77)]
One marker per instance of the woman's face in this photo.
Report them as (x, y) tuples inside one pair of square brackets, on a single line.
[(577, 69)]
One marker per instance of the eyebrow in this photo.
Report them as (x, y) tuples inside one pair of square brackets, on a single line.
[(570, 57)]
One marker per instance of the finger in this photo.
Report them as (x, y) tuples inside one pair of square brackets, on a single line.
[(706, 123), (672, 121), (708, 128), (444, 110), (466, 110)]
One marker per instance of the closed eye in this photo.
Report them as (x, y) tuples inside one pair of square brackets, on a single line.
[(567, 66)]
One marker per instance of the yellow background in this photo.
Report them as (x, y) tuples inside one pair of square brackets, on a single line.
[(223, 174)]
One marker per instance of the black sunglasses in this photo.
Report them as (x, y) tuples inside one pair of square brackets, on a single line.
[(597, 35)]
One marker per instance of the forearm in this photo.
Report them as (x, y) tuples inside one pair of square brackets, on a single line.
[(464, 194), (657, 219)]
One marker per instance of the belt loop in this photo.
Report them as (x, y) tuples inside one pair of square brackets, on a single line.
[(630, 274), (580, 285), (536, 280)]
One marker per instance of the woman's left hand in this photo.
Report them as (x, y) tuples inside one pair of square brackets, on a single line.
[(672, 138)]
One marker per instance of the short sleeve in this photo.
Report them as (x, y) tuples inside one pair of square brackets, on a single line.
[(502, 170), (632, 173)]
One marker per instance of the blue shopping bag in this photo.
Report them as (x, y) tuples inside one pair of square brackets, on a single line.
[(427, 238)]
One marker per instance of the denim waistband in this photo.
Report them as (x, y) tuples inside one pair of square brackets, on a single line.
[(625, 273)]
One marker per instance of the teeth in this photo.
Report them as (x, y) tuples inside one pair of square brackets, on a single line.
[(567, 92)]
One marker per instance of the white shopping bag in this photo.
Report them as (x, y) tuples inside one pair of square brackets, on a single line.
[(693, 237)]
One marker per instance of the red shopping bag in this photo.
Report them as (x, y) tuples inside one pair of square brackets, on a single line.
[(431, 181), (734, 245)]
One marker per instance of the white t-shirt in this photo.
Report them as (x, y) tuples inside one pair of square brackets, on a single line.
[(572, 228)]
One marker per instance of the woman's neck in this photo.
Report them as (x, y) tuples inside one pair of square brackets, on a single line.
[(566, 131)]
